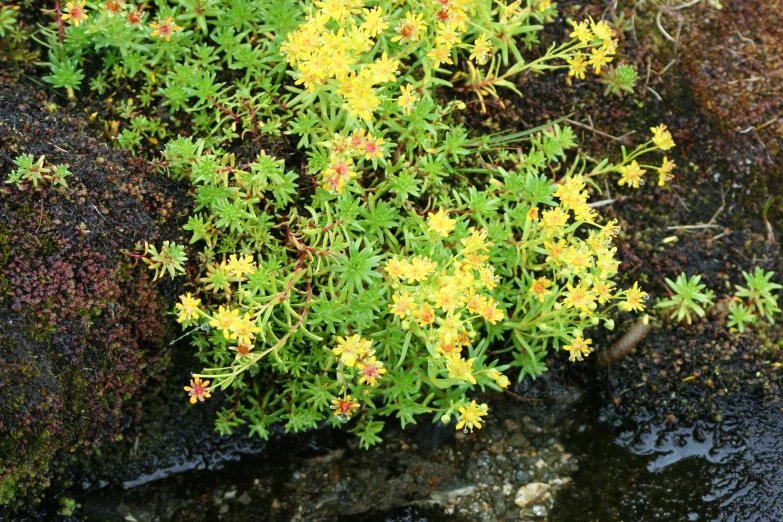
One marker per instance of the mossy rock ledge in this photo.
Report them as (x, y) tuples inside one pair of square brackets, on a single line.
[(82, 330)]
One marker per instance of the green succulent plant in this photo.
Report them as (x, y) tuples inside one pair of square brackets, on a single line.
[(689, 298)]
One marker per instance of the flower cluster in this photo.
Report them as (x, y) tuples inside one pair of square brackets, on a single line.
[(344, 150), (632, 173), (318, 298), (336, 48), (438, 302), (599, 38)]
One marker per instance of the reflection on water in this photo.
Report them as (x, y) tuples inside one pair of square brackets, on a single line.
[(727, 471)]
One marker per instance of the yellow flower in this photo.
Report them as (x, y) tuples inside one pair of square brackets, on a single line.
[(134, 16), (570, 193), (362, 102), (409, 29), (403, 305), (407, 98), (336, 9), (114, 7), (543, 5), (240, 266), (475, 260), (370, 370), (224, 320), (610, 46), (396, 268), (540, 288), (503, 382), (419, 269), (603, 289), (373, 148), (475, 303), (470, 416), (188, 308), (580, 298), (488, 277), (510, 12), (633, 299), (554, 221), (581, 32), (165, 29), (662, 138), (351, 349), (555, 251), (578, 66), (460, 369), (481, 49), (448, 345), (579, 347), (447, 298), (491, 312), (578, 259), (476, 241), (198, 390), (440, 223), (601, 30), (425, 315), (440, 54), (447, 35), (75, 13), (384, 70), (339, 172), (665, 172), (632, 174), (243, 330), (599, 58), (374, 22), (344, 407)]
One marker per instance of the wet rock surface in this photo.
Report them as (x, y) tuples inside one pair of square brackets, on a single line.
[(637, 469), (428, 472)]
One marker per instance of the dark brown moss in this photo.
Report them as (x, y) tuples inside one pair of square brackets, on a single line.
[(81, 330)]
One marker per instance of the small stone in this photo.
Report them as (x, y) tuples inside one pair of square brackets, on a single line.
[(517, 440), (444, 496), (511, 425), (539, 511), (245, 499), (529, 493), (276, 504), (224, 509), (540, 463), (228, 495), (483, 459)]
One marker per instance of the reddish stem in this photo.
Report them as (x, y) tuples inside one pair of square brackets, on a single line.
[(60, 25)]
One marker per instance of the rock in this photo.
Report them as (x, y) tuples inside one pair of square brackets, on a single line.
[(245, 499), (529, 493), (444, 496), (517, 440), (539, 511), (511, 425)]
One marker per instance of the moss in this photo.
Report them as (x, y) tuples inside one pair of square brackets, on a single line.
[(81, 331)]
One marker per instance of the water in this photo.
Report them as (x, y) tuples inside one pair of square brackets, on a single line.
[(634, 469)]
